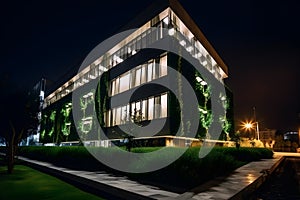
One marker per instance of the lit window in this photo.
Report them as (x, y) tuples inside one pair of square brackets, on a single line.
[(108, 119), (132, 109), (137, 77), (127, 113), (164, 105), (149, 78), (155, 70), (113, 112), (157, 105), (124, 82), (113, 87), (163, 66), (150, 108), (144, 109), (118, 116), (117, 85), (144, 74), (124, 114), (137, 109)]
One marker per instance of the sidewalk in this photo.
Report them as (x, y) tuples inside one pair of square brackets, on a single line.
[(119, 187), (241, 182)]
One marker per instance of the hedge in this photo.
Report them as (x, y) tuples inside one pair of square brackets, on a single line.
[(186, 172)]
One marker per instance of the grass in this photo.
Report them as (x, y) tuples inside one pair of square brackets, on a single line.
[(27, 183)]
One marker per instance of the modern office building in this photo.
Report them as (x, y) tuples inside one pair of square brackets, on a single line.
[(128, 65)]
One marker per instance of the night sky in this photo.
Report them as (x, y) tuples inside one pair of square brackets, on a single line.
[(259, 40)]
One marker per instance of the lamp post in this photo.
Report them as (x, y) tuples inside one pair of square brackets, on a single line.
[(256, 122)]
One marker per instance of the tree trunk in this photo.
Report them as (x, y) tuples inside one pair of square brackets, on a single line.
[(10, 152), (12, 146), (10, 164)]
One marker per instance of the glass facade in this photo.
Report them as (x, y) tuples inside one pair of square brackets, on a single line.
[(151, 70), (141, 38), (153, 107)]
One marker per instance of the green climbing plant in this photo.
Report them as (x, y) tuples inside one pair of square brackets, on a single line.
[(66, 125), (87, 106), (52, 122), (226, 125), (43, 126), (180, 92), (206, 116)]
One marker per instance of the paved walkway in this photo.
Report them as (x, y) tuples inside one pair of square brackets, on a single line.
[(241, 182), (119, 186)]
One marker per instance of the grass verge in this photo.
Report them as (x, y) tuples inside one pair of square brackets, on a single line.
[(27, 183)]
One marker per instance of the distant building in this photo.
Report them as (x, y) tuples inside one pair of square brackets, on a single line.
[(35, 101), (267, 137), (292, 136)]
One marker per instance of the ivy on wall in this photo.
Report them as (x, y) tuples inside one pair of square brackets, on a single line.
[(43, 126), (87, 106), (52, 122), (205, 112), (101, 100), (66, 125), (226, 124), (57, 123)]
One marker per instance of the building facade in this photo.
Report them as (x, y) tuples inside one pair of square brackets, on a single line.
[(131, 65)]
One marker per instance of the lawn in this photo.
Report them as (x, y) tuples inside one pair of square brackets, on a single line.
[(27, 183)]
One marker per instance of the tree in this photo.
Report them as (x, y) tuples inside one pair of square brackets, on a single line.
[(15, 118)]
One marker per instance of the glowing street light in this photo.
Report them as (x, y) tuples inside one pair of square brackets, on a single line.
[(247, 125)]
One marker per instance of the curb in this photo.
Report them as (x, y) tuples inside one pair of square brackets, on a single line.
[(251, 188)]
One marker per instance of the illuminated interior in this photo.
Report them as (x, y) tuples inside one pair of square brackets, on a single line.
[(128, 47), (151, 70), (153, 107)]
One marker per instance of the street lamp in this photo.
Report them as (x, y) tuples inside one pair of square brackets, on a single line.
[(247, 125), (256, 122)]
